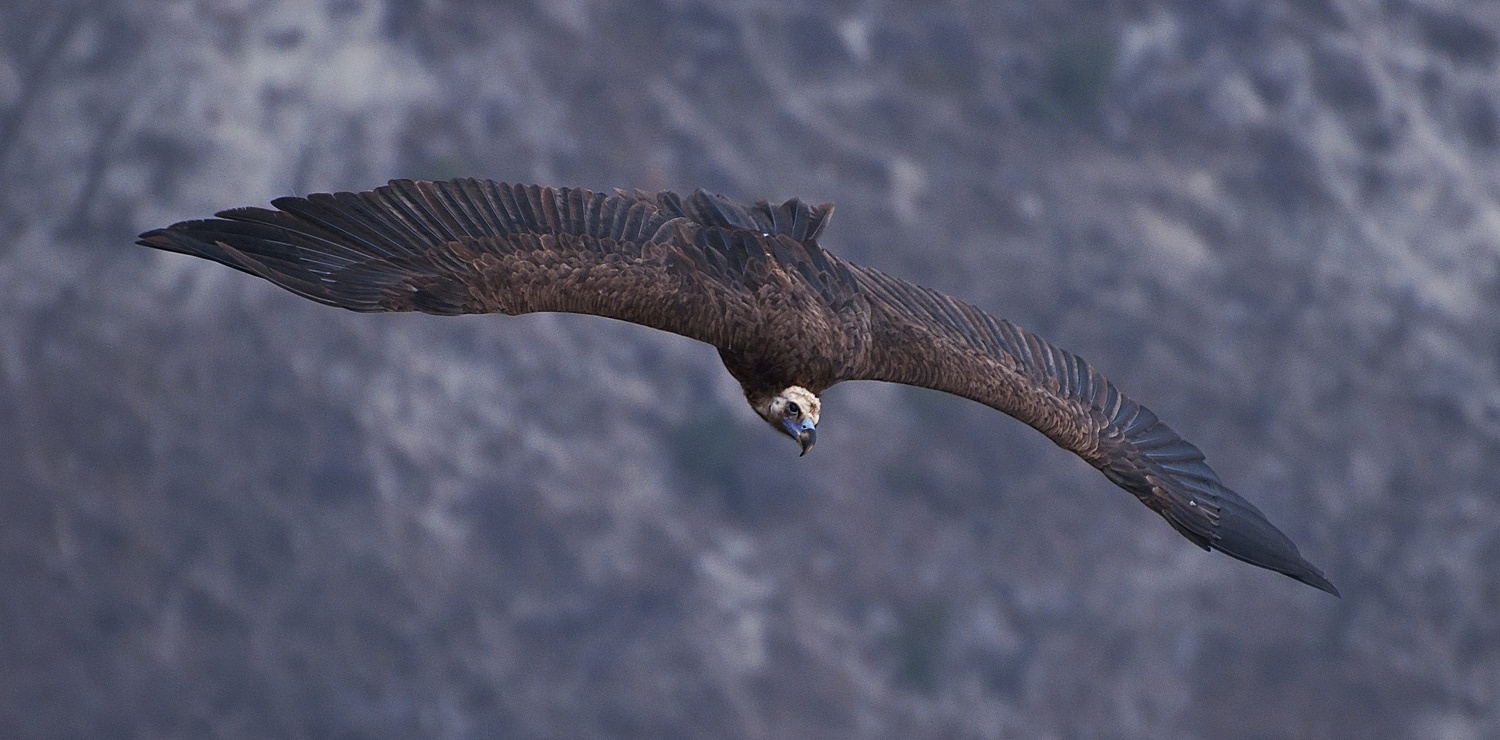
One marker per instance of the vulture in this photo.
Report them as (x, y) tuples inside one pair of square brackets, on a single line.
[(789, 319)]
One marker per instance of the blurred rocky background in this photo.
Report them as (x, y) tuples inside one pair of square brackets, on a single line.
[(229, 512)]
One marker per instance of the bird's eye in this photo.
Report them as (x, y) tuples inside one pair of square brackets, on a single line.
[(793, 409)]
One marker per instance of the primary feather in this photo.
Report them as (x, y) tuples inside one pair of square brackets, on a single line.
[(750, 280)]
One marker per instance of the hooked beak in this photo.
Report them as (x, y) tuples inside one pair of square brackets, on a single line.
[(804, 432)]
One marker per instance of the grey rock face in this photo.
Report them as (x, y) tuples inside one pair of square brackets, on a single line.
[(228, 512)]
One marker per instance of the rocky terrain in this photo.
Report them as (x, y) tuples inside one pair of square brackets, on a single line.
[(229, 512)]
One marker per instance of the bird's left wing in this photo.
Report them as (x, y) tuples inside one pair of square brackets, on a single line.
[(921, 337)]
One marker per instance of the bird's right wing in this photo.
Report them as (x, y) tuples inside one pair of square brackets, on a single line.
[(694, 267), (924, 338)]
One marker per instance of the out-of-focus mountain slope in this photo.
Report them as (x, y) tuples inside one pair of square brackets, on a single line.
[(225, 511)]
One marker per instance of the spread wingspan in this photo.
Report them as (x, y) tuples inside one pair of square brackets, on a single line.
[(750, 280)]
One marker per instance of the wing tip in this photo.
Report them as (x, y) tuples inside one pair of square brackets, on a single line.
[(175, 239), (1244, 533), (1317, 580), (154, 238)]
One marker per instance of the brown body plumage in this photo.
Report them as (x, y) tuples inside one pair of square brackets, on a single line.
[(788, 318)]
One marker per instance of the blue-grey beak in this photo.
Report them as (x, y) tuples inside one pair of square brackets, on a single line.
[(804, 432)]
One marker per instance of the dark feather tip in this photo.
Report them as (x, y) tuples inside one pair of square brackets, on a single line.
[(1244, 534)]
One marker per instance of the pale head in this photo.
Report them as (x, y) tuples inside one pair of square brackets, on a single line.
[(793, 412)]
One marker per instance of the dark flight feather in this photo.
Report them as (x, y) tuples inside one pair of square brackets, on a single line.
[(750, 280), (934, 341)]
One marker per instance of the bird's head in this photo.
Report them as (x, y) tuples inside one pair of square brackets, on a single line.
[(793, 412)]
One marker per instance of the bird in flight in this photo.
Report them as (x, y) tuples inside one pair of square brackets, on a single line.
[(789, 319)]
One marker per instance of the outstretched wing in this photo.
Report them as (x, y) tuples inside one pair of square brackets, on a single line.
[(924, 338), (700, 267)]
